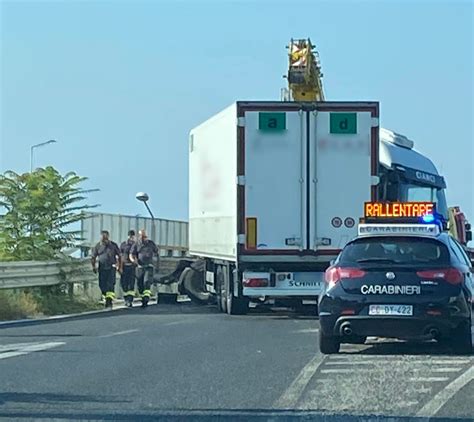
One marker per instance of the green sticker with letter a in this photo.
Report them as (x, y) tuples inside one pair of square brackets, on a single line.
[(343, 123), (272, 122)]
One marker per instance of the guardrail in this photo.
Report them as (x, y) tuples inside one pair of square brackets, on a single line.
[(17, 275), (76, 273)]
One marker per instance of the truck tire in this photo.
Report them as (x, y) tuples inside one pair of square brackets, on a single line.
[(221, 298), (461, 340), (328, 345), (234, 305)]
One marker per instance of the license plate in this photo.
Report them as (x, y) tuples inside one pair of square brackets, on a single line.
[(406, 310)]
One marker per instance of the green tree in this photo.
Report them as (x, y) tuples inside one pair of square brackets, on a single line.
[(40, 208)]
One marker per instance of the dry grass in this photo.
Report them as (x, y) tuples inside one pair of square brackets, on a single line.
[(31, 303), (17, 305)]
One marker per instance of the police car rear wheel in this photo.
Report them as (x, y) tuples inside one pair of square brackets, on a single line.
[(461, 340), (328, 344)]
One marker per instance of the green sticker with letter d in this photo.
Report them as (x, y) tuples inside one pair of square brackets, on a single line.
[(343, 123)]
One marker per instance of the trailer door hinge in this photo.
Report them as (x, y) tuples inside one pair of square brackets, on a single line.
[(375, 122), (241, 239), (241, 121), (241, 180)]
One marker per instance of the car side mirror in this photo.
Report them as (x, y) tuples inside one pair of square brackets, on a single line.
[(332, 262)]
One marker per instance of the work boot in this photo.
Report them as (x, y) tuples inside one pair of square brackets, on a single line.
[(108, 302), (145, 300)]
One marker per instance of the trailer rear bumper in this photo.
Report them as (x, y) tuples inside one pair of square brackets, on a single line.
[(282, 284), (275, 292)]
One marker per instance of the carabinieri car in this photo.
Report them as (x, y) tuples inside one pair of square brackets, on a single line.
[(406, 281)]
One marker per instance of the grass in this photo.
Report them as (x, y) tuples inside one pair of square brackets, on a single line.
[(17, 305), (31, 303)]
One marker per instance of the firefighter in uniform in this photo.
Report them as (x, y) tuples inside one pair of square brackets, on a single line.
[(108, 255), (127, 279), (142, 253)]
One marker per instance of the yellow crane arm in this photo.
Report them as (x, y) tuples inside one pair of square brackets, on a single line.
[(304, 71)]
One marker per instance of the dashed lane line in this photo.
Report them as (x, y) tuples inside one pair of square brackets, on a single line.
[(118, 333)]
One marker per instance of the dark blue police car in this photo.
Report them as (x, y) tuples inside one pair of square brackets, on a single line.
[(405, 281)]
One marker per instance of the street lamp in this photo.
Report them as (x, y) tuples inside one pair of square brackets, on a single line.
[(42, 144), (143, 197)]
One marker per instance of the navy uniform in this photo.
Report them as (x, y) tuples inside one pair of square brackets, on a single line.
[(127, 279), (142, 253), (108, 255)]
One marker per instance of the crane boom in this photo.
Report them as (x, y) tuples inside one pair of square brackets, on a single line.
[(304, 71)]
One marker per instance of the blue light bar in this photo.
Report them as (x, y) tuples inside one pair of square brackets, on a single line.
[(428, 218)]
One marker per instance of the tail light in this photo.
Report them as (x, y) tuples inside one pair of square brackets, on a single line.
[(451, 275), (255, 282), (335, 274)]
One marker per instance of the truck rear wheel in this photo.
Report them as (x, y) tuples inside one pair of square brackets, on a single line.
[(234, 305), (221, 296)]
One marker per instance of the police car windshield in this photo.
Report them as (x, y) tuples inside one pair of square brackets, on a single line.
[(395, 250)]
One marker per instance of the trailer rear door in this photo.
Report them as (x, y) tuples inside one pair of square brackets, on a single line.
[(342, 147), (305, 172), (275, 163)]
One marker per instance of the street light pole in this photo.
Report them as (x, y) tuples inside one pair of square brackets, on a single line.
[(143, 197), (51, 141)]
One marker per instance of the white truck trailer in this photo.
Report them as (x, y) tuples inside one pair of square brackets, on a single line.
[(275, 192)]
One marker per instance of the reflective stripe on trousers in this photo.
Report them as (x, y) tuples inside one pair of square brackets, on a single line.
[(146, 293), (110, 295)]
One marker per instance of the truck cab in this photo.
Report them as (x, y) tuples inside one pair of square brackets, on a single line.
[(408, 176)]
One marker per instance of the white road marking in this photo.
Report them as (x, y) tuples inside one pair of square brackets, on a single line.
[(185, 321), (408, 403), (13, 346), (366, 370), (352, 362), (293, 393), (11, 354), (118, 333), (308, 330), (450, 362), (20, 349), (431, 408), (428, 379), (445, 369)]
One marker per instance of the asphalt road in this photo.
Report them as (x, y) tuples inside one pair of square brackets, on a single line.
[(177, 361)]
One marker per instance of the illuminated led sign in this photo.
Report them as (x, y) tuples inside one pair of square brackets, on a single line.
[(398, 209)]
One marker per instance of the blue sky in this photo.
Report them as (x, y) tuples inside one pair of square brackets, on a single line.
[(120, 83)]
